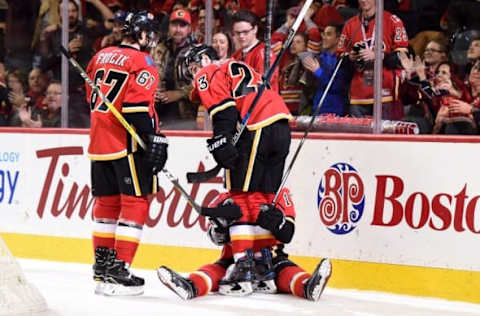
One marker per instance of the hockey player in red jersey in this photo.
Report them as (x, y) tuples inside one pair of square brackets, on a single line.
[(123, 174), (272, 269), (254, 166)]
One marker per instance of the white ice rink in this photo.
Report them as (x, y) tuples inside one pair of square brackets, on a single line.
[(68, 289)]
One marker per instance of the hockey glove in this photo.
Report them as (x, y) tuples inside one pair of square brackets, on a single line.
[(156, 154), (218, 231), (270, 218), (223, 151)]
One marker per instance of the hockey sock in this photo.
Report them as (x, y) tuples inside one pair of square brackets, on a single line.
[(106, 211), (130, 225), (291, 279), (207, 277)]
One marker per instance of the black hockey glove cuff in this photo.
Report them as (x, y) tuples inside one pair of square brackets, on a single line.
[(274, 220), (270, 218), (223, 151), (156, 154)]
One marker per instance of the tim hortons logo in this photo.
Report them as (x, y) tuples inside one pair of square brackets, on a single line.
[(341, 198), (60, 199)]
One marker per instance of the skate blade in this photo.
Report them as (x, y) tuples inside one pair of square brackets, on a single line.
[(236, 289), (111, 289), (266, 287), (99, 287), (165, 277), (325, 270)]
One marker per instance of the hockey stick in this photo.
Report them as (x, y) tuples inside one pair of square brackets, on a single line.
[(230, 213), (195, 177), (307, 130)]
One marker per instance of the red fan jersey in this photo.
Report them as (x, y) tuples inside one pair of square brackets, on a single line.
[(235, 83), (394, 39), (128, 79), (255, 57)]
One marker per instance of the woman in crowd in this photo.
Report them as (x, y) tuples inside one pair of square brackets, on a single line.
[(222, 43)]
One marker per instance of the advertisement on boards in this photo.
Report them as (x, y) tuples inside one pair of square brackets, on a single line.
[(400, 202)]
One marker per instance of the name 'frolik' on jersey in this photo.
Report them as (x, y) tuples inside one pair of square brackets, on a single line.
[(111, 58)]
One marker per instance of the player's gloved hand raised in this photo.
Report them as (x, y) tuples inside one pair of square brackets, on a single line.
[(223, 151), (156, 154), (270, 218)]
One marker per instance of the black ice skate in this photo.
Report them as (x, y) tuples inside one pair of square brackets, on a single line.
[(183, 287), (239, 277), (119, 280), (316, 283), (264, 273), (100, 268)]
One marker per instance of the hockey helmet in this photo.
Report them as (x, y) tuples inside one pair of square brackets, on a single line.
[(196, 52), (136, 23), (194, 55)]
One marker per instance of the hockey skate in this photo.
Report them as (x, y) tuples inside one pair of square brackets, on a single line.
[(239, 277), (315, 285), (264, 273), (99, 268), (119, 281), (183, 287)]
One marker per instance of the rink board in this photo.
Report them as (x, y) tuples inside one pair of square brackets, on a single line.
[(395, 213)]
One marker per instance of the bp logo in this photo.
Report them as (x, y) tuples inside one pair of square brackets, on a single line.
[(341, 198)]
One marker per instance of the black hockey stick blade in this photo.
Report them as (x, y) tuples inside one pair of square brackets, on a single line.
[(229, 211), (197, 177)]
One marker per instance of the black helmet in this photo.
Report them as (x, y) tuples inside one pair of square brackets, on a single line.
[(136, 23), (196, 52)]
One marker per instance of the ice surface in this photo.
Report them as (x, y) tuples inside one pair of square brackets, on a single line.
[(68, 290)]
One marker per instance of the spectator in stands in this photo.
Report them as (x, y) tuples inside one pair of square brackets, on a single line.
[(222, 43), (115, 37), (469, 105), (449, 88), (322, 67), (416, 93), (37, 84), (251, 51), (172, 96), (50, 115), (434, 54), (326, 14), (81, 46), (358, 41), (293, 76), (473, 52), (17, 86)]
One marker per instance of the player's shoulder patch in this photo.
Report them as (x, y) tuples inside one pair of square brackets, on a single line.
[(149, 60)]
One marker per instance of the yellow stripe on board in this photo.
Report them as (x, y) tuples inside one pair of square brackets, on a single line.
[(448, 284)]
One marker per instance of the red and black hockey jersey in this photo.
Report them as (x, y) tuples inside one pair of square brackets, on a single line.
[(128, 79), (235, 83), (394, 39)]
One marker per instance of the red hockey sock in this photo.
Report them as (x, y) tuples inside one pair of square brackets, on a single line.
[(106, 211), (130, 225), (206, 278), (291, 280)]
